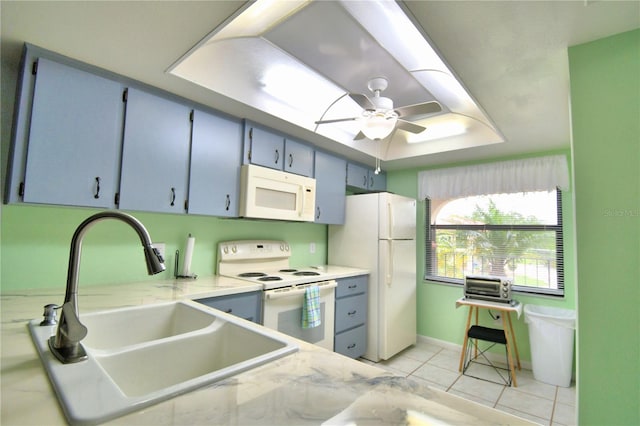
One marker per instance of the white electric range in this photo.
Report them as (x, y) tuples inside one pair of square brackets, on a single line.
[(267, 262)]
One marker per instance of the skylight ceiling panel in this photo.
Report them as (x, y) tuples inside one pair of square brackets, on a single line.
[(257, 73), (325, 37)]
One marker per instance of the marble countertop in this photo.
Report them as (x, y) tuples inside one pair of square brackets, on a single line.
[(313, 386)]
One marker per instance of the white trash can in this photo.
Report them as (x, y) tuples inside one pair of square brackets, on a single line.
[(551, 332)]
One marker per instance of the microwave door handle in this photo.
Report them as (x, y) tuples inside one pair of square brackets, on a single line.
[(303, 198)]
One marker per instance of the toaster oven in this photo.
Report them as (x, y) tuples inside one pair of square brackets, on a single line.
[(492, 289)]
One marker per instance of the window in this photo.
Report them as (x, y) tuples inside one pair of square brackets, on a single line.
[(517, 236)]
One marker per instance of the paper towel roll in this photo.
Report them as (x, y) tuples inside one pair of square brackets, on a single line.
[(188, 255)]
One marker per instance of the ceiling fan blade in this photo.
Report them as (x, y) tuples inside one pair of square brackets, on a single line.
[(337, 120), (418, 109), (362, 100), (359, 136), (410, 127)]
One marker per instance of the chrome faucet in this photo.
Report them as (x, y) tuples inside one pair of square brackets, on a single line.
[(65, 345)]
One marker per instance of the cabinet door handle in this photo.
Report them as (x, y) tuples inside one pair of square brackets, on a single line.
[(290, 160), (227, 203), (352, 313), (318, 212), (277, 156), (371, 182), (364, 181), (228, 311), (173, 196), (351, 346), (353, 286), (96, 195)]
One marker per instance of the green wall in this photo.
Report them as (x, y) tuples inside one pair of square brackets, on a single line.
[(36, 241), (605, 102), (438, 317)]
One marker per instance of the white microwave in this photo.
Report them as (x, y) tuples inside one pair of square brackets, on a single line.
[(273, 194)]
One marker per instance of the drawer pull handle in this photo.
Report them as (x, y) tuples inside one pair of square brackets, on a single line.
[(228, 311), (353, 286), (352, 313), (96, 194), (351, 346)]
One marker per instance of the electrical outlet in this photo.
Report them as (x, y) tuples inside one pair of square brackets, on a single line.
[(312, 248)]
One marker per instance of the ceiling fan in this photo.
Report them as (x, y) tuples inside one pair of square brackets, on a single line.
[(379, 118)]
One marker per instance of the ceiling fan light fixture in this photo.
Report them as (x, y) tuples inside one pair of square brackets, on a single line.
[(378, 125)]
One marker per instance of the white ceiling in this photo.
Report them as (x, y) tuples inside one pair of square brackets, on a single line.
[(510, 55)]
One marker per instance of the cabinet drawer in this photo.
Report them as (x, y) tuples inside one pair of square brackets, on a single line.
[(244, 305), (351, 286), (352, 343), (350, 312)]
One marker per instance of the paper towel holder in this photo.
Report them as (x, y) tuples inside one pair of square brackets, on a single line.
[(178, 275)]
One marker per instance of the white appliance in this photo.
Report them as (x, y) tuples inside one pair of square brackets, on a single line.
[(379, 235), (266, 262), (273, 194)]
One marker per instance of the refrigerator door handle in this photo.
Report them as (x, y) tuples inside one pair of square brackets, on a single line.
[(389, 270), (390, 223), (390, 263)]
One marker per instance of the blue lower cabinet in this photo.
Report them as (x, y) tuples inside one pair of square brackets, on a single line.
[(351, 316), (244, 305), (351, 343)]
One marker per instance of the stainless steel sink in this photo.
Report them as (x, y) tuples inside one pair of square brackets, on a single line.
[(143, 355)]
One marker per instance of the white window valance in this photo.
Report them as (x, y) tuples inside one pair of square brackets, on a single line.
[(526, 175)]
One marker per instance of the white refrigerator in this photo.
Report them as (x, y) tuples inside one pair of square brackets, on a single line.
[(379, 234)]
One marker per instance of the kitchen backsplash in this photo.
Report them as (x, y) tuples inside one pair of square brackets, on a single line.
[(36, 241)]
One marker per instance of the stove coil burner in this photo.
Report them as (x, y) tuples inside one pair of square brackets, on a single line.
[(252, 274), (306, 273), (270, 278)]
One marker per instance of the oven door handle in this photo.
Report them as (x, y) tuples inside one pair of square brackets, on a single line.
[(297, 291)]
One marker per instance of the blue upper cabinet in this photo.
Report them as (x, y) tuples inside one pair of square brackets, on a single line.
[(377, 182), (365, 179), (264, 147), (155, 154), (357, 176), (74, 137), (330, 188), (298, 158), (216, 151), (269, 148)]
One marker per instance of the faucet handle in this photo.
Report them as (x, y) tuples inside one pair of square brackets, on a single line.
[(50, 314), (75, 330)]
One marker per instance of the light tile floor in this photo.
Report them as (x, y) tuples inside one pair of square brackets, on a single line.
[(438, 367)]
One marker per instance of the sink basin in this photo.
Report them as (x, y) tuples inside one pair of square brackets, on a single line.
[(143, 355), (222, 346), (129, 326)]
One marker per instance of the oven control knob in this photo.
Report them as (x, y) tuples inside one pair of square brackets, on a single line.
[(234, 249), (225, 249)]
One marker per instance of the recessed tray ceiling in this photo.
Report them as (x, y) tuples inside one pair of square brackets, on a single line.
[(298, 60)]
